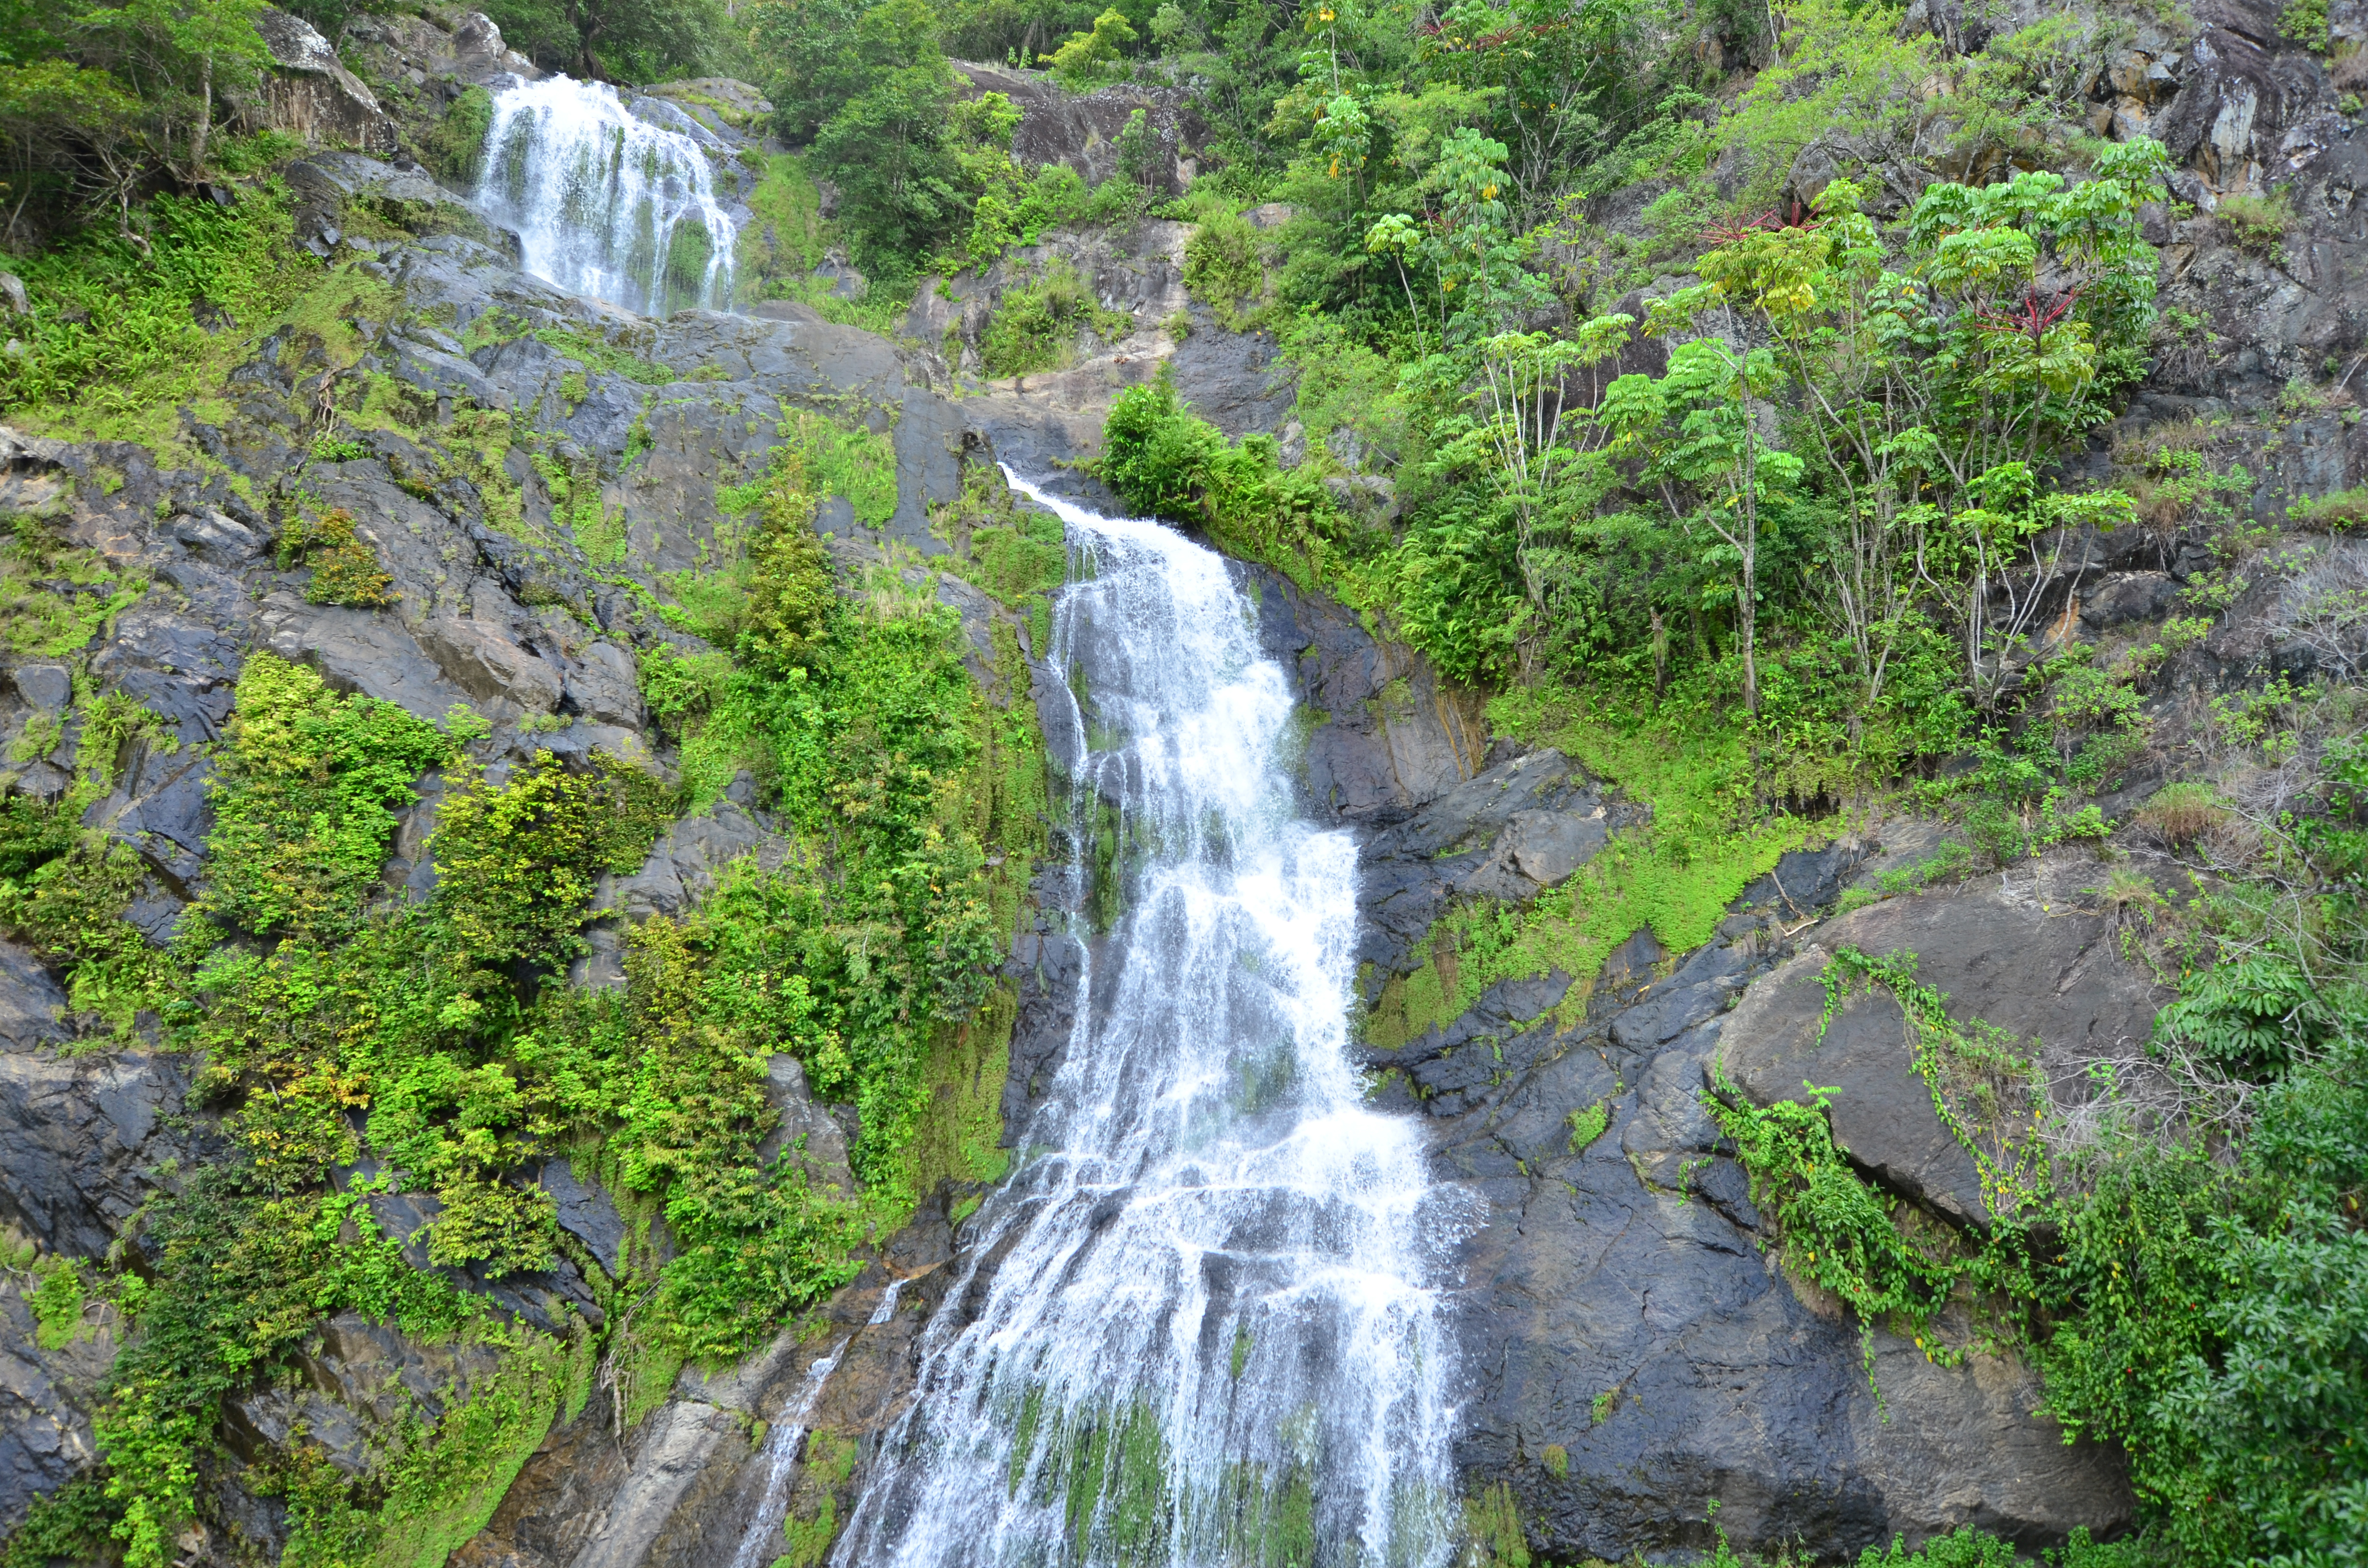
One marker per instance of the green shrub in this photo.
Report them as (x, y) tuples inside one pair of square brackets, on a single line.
[(307, 783), (1223, 268), (1083, 59), (1037, 327), (1167, 462), (346, 569)]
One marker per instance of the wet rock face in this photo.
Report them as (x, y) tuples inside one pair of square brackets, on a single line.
[(47, 1395), (493, 602), (709, 1471), (1385, 735), (1615, 1304)]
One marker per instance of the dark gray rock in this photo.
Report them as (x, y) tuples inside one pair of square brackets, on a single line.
[(586, 1213), (47, 1398), (1389, 735), (49, 688), (1516, 829), (506, 680), (82, 1136), (357, 651), (687, 860), (806, 1133), (310, 93), (2049, 977), (604, 687), (2139, 596), (1231, 379)]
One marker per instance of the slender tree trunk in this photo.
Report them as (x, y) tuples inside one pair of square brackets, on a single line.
[(205, 117)]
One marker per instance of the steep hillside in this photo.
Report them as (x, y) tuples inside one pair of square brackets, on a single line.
[(551, 870)]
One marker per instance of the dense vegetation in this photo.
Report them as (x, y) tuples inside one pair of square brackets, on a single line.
[(1739, 480), (1794, 543)]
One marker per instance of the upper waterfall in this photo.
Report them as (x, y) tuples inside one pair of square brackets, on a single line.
[(606, 200), (1214, 1331)]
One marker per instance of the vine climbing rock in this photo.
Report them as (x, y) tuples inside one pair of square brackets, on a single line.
[(2018, 954)]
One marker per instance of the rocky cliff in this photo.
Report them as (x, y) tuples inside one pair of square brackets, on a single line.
[(536, 475)]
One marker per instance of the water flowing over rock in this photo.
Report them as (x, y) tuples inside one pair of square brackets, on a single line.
[(1214, 1313), (609, 200)]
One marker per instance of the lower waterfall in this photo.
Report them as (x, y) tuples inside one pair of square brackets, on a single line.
[(1213, 1333), (613, 201)]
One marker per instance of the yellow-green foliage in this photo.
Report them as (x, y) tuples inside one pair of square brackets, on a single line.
[(346, 569), (790, 235), (1084, 58), (1492, 1530), (37, 620), (456, 146), (790, 591), (2259, 223), (57, 1302), (1674, 876), (1588, 1123), (307, 783), (116, 342)]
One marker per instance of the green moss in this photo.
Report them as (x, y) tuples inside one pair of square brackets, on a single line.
[(1492, 1528), (1588, 1125), (452, 1477), (606, 355), (56, 597), (456, 146), (1674, 876)]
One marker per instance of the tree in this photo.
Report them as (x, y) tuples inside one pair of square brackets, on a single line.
[(631, 41), (1935, 378), (1694, 436)]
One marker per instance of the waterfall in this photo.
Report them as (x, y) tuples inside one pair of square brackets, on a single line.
[(760, 1540), (608, 200), (1213, 1333)]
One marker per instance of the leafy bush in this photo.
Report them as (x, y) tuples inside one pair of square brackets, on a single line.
[(2254, 1016), (1167, 462), (304, 801), (1083, 59), (1037, 327), (1223, 268), (346, 569)]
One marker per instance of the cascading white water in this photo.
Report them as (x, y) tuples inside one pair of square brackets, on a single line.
[(606, 202), (1213, 1333)]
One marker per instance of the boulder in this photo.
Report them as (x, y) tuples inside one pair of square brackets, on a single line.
[(1389, 735), (504, 677), (1521, 826), (604, 687), (357, 651), (49, 688), (82, 1138), (311, 94), (2135, 596), (2034, 965)]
